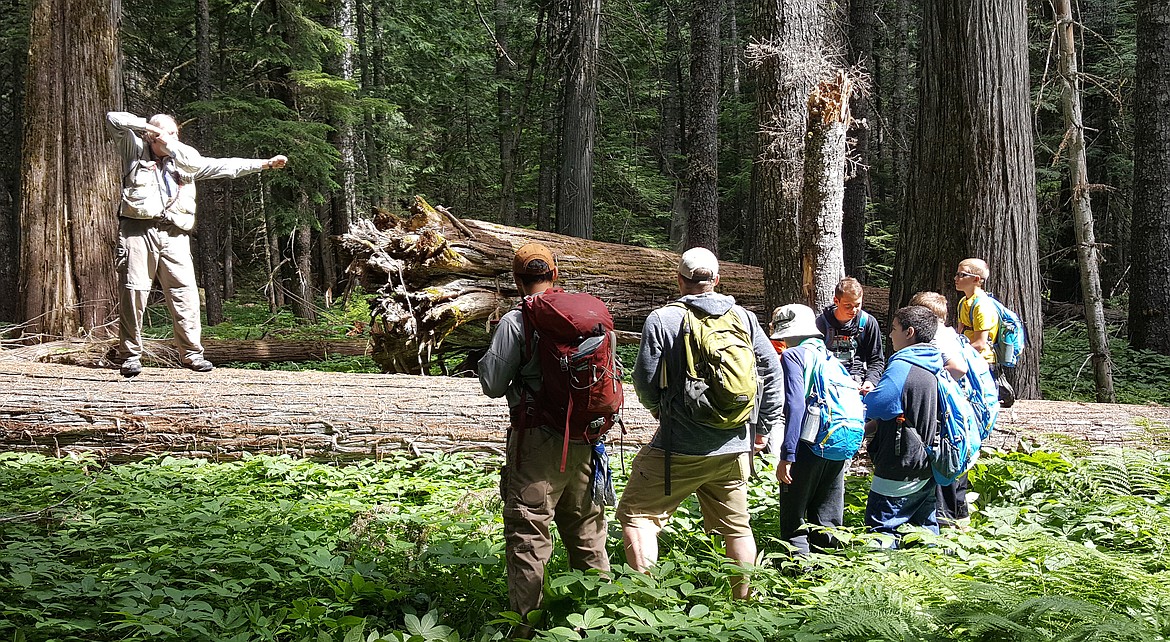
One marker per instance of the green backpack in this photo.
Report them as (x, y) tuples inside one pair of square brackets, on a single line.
[(719, 363)]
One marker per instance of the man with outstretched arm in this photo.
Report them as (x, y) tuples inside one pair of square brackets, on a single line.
[(156, 214)]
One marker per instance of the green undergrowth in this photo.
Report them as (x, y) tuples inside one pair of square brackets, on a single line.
[(1139, 376), (248, 317), (271, 548)]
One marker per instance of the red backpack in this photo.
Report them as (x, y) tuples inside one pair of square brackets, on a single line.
[(581, 384)]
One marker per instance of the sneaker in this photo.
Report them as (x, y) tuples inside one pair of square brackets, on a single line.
[(199, 364), (1007, 394), (131, 368)]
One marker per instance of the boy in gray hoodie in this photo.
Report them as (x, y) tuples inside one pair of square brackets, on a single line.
[(712, 463)]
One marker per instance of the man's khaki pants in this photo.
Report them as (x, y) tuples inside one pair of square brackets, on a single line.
[(535, 493), (147, 249)]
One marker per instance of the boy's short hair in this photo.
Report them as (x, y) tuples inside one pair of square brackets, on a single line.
[(932, 301), (921, 319), (848, 286), (978, 267)]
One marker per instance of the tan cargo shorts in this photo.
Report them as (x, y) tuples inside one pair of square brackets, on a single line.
[(719, 482)]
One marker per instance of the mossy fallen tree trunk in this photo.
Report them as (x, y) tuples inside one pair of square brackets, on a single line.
[(161, 352), (226, 414), (441, 281)]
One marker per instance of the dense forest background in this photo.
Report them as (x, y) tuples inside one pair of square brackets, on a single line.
[(658, 123)]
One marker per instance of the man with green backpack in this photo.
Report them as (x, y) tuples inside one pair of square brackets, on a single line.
[(707, 371)]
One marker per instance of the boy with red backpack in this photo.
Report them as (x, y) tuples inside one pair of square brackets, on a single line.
[(554, 358)]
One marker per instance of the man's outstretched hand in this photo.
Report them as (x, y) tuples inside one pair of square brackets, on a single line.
[(276, 162)]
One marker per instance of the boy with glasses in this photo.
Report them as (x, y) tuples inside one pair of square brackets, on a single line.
[(978, 319)]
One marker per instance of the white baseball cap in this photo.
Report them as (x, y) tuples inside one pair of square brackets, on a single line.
[(699, 259)]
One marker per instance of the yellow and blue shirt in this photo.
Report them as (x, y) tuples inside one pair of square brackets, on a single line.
[(982, 316)]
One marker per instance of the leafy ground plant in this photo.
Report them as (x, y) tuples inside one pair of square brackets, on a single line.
[(1139, 376), (1061, 548)]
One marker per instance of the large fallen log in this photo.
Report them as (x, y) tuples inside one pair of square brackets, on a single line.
[(226, 414), (86, 352), (441, 281)]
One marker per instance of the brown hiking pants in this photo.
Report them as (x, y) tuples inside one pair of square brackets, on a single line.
[(535, 493), (149, 249)]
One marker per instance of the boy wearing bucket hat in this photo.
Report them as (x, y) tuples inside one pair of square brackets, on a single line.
[(812, 490)]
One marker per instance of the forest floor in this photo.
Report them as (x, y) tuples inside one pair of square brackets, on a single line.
[(65, 410)]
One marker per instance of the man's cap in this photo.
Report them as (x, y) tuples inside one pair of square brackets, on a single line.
[(698, 259), (794, 320), (522, 263)]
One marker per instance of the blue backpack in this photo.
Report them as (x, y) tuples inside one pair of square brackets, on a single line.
[(1009, 335), (959, 433), (980, 388), (833, 406)]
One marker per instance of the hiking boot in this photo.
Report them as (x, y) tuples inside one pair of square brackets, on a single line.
[(131, 367), (199, 364)]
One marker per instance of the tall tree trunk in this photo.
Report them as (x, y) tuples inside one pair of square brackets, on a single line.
[(547, 175), (575, 193), (10, 180), (521, 119), (68, 219), (824, 189), (972, 188), (274, 262), (786, 31), (703, 127), (860, 56), (1149, 294), (208, 223), (902, 110), (732, 51), (343, 203), (301, 246), (550, 122), (345, 200), (9, 240), (368, 85), (229, 254), (327, 253), (508, 127), (1088, 252), (1102, 111), (672, 132)]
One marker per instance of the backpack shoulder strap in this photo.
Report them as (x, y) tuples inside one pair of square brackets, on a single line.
[(812, 371), (971, 302)]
